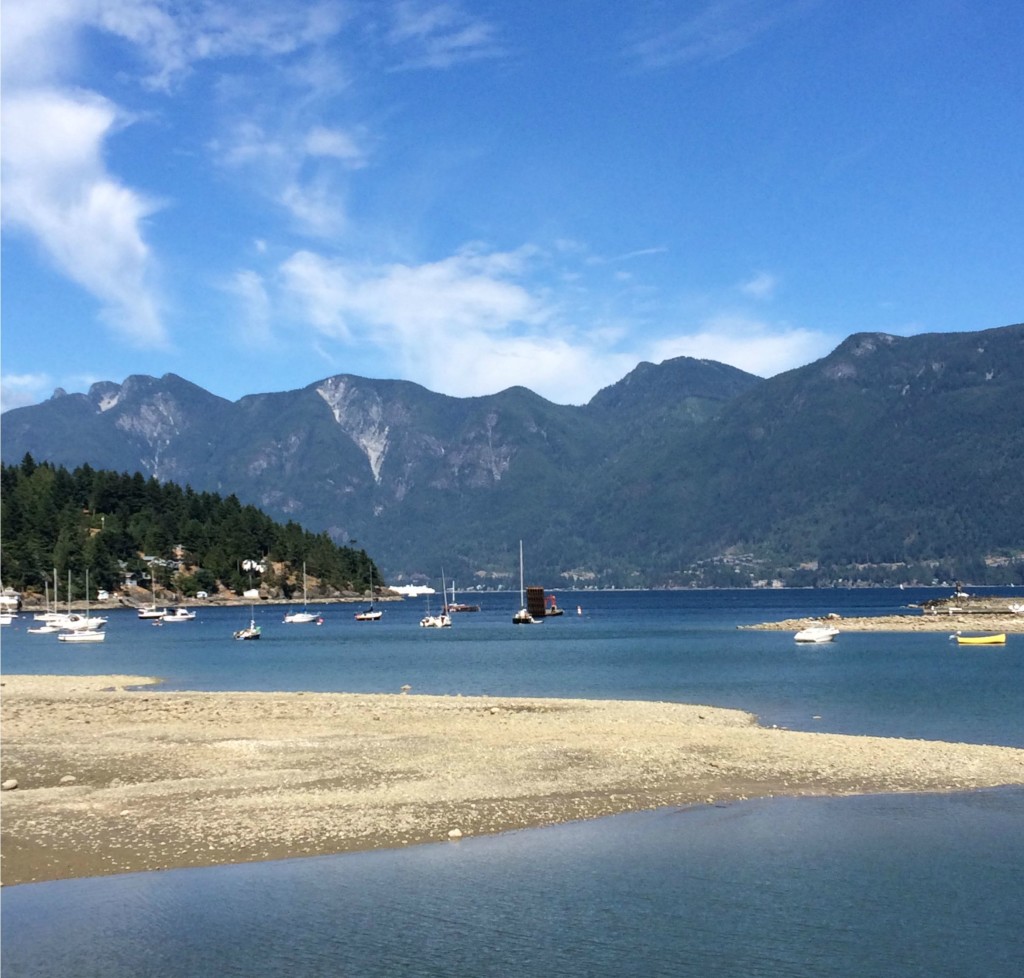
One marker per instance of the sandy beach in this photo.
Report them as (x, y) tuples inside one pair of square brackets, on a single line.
[(114, 775)]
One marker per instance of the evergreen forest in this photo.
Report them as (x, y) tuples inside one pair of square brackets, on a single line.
[(116, 525)]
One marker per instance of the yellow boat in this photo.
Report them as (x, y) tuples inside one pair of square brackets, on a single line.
[(980, 639)]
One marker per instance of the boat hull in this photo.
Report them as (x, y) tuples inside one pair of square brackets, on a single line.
[(981, 639), (816, 635), (300, 618)]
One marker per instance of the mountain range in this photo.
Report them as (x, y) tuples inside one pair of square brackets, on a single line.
[(892, 458)]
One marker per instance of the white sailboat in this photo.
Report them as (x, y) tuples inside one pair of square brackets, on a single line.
[(443, 620), (305, 616), (47, 626), (152, 611), (371, 613), (522, 616), (79, 629), (71, 621)]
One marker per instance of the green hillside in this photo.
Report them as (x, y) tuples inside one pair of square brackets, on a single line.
[(117, 526)]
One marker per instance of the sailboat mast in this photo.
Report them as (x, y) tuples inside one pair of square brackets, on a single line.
[(522, 599)]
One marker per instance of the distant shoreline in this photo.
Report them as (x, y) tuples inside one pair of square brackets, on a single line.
[(110, 774), (36, 602)]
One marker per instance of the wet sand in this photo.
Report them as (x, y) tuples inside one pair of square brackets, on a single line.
[(112, 778)]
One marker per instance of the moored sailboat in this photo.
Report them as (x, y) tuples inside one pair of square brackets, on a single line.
[(371, 613), (305, 616), (522, 616), (76, 628), (252, 631), (443, 620)]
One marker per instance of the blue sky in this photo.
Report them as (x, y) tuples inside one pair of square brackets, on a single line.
[(470, 195)]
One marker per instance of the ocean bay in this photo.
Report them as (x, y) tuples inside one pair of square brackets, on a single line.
[(779, 886)]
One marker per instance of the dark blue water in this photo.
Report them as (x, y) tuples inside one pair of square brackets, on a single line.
[(674, 646), (882, 885)]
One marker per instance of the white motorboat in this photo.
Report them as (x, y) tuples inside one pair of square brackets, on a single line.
[(817, 634), (74, 622), (178, 614)]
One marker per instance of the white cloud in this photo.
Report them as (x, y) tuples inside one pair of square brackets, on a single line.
[(480, 321), (315, 206), (249, 288), (57, 188), (762, 285), (469, 291), (760, 348), (297, 170), (37, 40), (173, 37), (465, 325), (19, 390), (336, 143)]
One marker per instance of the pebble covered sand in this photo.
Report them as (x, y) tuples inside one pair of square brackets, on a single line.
[(109, 774)]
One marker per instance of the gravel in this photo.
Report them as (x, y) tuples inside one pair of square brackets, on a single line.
[(114, 775)]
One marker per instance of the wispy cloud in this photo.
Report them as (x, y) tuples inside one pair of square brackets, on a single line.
[(425, 34), (173, 37), (19, 390), (480, 321), (300, 170), (761, 285), (250, 290), (337, 144), (718, 30), (467, 325), (57, 188)]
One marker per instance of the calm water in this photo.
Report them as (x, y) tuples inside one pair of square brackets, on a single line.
[(883, 885)]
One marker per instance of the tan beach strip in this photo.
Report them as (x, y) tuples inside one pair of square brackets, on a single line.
[(943, 623), (112, 780)]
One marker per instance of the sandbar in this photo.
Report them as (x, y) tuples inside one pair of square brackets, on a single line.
[(115, 775), (946, 623)]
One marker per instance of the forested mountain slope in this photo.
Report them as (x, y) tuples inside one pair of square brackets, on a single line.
[(890, 459)]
